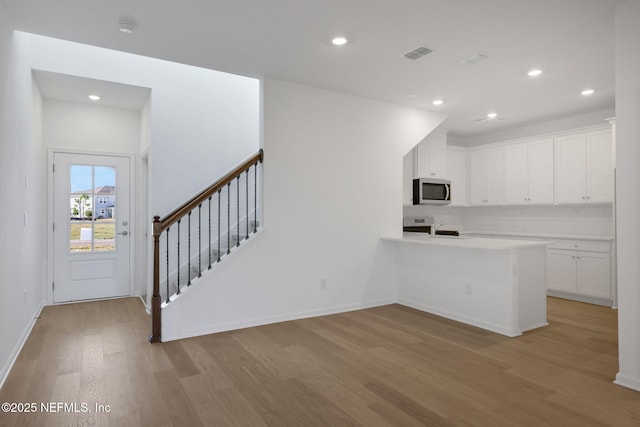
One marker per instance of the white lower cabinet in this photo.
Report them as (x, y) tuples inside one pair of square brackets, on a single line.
[(585, 273), (576, 269), (562, 270), (594, 274)]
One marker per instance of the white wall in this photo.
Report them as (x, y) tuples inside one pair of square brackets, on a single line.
[(70, 125), (145, 127), (549, 126), (144, 262), (203, 122), (22, 247), (332, 188), (628, 197), (196, 125)]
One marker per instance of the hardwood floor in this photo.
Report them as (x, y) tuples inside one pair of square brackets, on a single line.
[(386, 366)]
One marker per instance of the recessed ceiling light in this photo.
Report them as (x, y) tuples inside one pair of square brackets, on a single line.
[(587, 92), (94, 97), (339, 41), (535, 72), (492, 115), (437, 102)]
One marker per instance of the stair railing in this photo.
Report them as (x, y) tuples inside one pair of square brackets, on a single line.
[(215, 196)]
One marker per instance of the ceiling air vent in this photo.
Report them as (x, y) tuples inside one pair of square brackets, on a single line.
[(417, 53)]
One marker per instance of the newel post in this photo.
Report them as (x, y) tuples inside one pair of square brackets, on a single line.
[(156, 326)]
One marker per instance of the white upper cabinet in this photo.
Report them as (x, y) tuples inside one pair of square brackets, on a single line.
[(541, 171), (485, 177), (457, 168), (407, 178), (584, 167), (528, 173), (600, 166), (431, 157), (428, 159), (516, 174)]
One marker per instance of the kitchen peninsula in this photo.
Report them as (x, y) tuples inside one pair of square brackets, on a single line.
[(494, 284)]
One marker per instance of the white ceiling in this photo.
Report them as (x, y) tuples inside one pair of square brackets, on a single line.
[(77, 89), (571, 40)]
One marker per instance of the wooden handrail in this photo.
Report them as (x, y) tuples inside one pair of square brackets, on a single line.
[(204, 194), (159, 225)]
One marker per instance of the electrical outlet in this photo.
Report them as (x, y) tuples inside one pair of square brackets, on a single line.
[(323, 283), (467, 289), (25, 218), (26, 293)]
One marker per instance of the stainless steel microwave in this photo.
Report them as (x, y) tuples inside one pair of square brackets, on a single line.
[(431, 191)]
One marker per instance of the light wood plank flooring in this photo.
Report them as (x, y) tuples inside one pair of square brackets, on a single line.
[(386, 366)]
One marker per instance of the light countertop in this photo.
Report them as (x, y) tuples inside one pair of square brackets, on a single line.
[(465, 242), (540, 235)]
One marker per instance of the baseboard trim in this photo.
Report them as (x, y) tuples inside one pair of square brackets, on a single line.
[(4, 374), (463, 319), (628, 382), (580, 298), (250, 323)]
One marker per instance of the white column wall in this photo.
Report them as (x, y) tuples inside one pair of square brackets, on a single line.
[(332, 188), (628, 197), (22, 159)]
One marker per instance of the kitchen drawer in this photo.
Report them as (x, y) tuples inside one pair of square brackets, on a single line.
[(582, 245)]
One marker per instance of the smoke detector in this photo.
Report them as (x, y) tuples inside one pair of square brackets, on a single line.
[(417, 53), (126, 25)]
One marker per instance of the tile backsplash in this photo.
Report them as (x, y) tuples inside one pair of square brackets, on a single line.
[(585, 219)]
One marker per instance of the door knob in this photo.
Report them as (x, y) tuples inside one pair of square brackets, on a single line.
[(124, 233)]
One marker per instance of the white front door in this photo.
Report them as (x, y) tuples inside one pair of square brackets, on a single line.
[(91, 240)]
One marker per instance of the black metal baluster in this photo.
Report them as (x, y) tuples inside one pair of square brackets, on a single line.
[(255, 197), (189, 253), (219, 201), (228, 218), (247, 198), (238, 210), (200, 240), (209, 247), (179, 256), (168, 264)]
